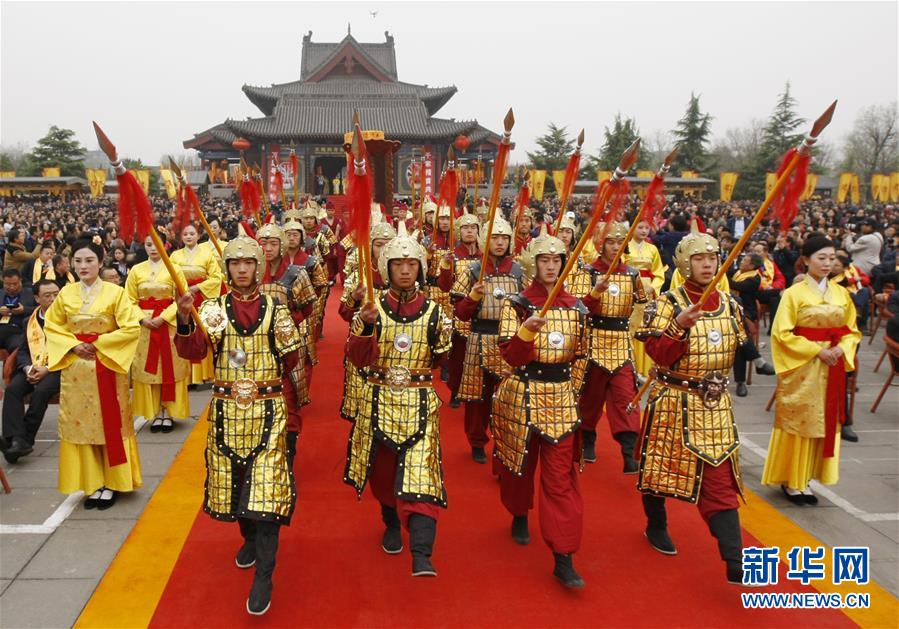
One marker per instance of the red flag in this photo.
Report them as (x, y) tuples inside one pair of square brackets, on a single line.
[(786, 206), (359, 191), (135, 210), (249, 197), (654, 201)]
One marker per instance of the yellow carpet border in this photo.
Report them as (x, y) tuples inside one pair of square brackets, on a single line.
[(164, 525), (130, 590)]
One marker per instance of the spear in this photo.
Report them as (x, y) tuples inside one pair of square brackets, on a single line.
[(645, 210), (295, 167), (449, 191), (360, 204), (600, 199), (266, 209), (499, 173), (109, 148), (477, 180), (803, 152), (571, 173), (200, 215)]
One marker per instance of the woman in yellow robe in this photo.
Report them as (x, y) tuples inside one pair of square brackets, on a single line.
[(644, 256), (160, 375), (92, 333), (813, 341), (203, 271)]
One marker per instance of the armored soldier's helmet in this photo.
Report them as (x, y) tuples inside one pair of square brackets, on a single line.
[(382, 230), (310, 210), (403, 247), (270, 230), (568, 223), (245, 247), (429, 206), (468, 219), (482, 209), (501, 227), (618, 231), (443, 210), (691, 245), (293, 225), (291, 215), (544, 244)]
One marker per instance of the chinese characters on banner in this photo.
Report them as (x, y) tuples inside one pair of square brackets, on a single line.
[(428, 165)]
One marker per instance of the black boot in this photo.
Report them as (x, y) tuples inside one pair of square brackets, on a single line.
[(260, 598), (246, 556), (454, 401), (478, 455), (565, 572), (520, 532), (19, 448), (846, 434), (444, 372), (725, 526), (422, 531), (628, 441), (588, 437), (392, 542), (657, 525)]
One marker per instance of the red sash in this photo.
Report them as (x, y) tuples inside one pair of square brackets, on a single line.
[(199, 297), (160, 346), (835, 397), (109, 408), (647, 273)]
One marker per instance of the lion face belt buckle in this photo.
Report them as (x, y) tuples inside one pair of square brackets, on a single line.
[(244, 391), (712, 387), (398, 378)]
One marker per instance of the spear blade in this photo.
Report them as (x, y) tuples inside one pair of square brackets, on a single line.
[(823, 120), (629, 157), (106, 144), (509, 121), (671, 156), (580, 139), (175, 168)]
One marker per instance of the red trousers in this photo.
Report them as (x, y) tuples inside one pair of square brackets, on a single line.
[(614, 391), (719, 491), (477, 414), (333, 264), (455, 360), (382, 481), (561, 505)]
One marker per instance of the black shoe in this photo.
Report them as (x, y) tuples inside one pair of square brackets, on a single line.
[(520, 532), (392, 541), (478, 455), (156, 426), (422, 532), (566, 574), (4, 444), (735, 572), (454, 401), (17, 449), (588, 437), (742, 389), (105, 503), (246, 556), (796, 499), (809, 498), (422, 567), (91, 503), (630, 466), (767, 369), (846, 434), (260, 598), (660, 540), (168, 425)]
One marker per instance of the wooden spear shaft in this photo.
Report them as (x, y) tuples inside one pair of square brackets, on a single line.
[(200, 215), (499, 173), (568, 186)]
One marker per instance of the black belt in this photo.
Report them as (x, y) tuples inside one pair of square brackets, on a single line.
[(227, 391), (547, 372), (618, 324), (485, 326)]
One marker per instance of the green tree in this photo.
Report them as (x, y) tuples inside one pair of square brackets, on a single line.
[(555, 149), (6, 162), (873, 144), (58, 148), (780, 133), (617, 139), (692, 135)]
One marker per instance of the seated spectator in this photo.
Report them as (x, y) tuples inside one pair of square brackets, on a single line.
[(62, 274), (773, 281), (41, 267), (31, 377), (847, 275), (16, 255), (16, 305)]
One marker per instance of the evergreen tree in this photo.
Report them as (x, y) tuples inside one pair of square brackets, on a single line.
[(555, 149), (58, 148), (617, 139), (692, 135), (780, 133), (6, 162)]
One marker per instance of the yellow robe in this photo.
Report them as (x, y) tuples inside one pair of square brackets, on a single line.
[(797, 441), (201, 267), (144, 282), (83, 464), (644, 256)]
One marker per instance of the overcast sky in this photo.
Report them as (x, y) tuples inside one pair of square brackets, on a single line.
[(153, 74)]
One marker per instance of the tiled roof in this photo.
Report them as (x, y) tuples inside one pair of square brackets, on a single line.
[(317, 54)]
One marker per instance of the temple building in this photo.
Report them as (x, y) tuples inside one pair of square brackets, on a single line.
[(312, 115)]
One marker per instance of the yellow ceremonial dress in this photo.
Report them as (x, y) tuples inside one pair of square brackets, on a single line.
[(201, 267), (644, 256), (796, 449), (104, 310), (150, 288)]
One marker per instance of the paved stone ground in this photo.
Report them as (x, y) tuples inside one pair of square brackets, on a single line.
[(48, 574)]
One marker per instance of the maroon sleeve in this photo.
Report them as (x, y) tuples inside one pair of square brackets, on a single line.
[(445, 280), (191, 346), (516, 351), (664, 350), (466, 308), (590, 302), (362, 350), (346, 313), (290, 362)]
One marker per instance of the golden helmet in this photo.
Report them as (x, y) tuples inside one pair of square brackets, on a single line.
[(482, 208), (429, 206), (443, 210), (400, 248), (291, 215), (568, 223), (293, 225), (467, 219), (270, 230), (501, 227), (310, 210), (382, 230), (691, 245), (544, 244), (245, 247), (618, 231)]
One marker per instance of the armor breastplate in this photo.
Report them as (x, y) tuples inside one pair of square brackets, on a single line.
[(434, 258), (712, 342), (276, 291), (618, 300), (560, 339), (496, 289), (579, 282), (258, 361), (462, 277), (403, 341)]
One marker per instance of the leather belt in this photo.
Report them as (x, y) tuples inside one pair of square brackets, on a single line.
[(485, 326), (399, 377), (547, 372), (710, 387), (618, 324), (243, 390)]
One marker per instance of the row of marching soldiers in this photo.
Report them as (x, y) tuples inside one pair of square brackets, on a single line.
[(539, 384)]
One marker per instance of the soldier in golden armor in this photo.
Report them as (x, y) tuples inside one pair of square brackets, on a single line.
[(381, 233), (690, 444), (579, 282), (455, 279), (644, 256), (437, 245), (394, 444), (609, 379), (248, 472), (535, 414), (523, 230), (483, 366), (291, 285), (319, 241)]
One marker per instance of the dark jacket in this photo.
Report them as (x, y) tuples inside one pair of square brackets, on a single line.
[(27, 301)]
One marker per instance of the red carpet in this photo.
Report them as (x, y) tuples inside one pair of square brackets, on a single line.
[(332, 572)]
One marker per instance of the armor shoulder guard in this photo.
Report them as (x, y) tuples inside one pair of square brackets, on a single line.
[(284, 331), (517, 272), (290, 275), (581, 308), (522, 305), (474, 271), (632, 271), (657, 316), (310, 263)]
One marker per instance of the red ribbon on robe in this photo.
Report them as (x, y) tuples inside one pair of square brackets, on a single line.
[(160, 346), (647, 273), (835, 396), (109, 408)]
